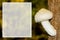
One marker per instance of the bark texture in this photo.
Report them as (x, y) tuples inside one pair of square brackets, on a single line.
[(54, 6)]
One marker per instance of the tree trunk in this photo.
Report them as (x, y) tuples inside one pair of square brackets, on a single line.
[(54, 6)]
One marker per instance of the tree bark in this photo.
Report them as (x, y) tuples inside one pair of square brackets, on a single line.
[(54, 6)]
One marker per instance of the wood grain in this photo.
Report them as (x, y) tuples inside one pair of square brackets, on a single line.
[(54, 6)]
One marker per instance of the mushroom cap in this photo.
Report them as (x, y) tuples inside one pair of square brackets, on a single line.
[(43, 15)]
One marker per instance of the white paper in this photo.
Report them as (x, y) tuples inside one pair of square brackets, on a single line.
[(17, 19)]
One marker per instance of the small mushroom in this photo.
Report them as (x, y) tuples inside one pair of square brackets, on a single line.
[(43, 16)]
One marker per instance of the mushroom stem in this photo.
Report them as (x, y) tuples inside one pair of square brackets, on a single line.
[(49, 28)]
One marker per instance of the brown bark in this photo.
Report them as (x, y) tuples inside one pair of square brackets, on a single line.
[(54, 6)]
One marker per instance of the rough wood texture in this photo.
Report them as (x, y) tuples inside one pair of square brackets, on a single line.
[(54, 6)]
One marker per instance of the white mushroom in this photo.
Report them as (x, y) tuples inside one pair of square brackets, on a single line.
[(43, 16)]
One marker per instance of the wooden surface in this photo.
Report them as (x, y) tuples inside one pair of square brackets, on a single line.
[(54, 6)]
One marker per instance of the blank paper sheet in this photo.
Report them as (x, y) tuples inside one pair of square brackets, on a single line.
[(17, 19)]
